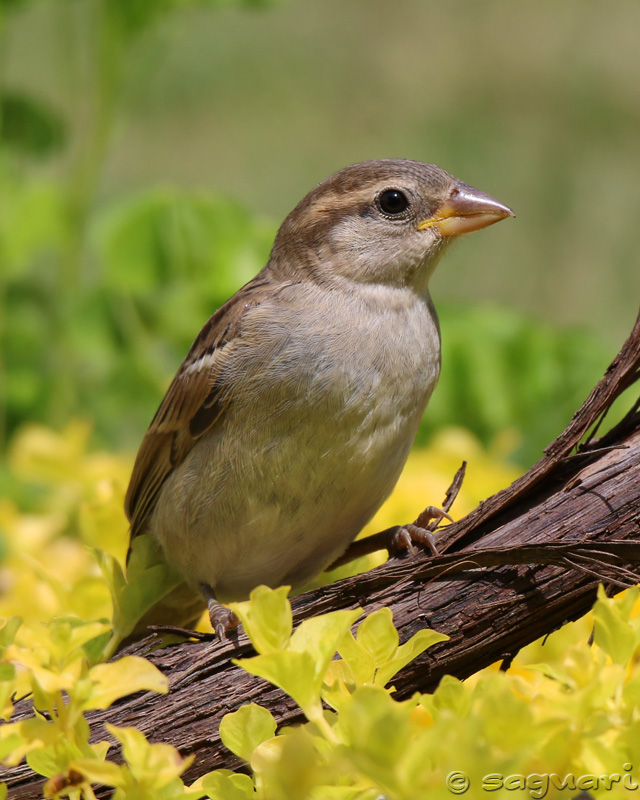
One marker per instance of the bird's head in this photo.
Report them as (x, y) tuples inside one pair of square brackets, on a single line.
[(384, 222)]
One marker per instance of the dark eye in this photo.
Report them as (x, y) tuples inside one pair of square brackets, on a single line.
[(393, 201)]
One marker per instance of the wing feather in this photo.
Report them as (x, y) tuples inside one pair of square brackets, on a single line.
[(195, 400)]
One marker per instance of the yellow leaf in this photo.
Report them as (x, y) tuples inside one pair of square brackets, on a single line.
[(243, 730), (123, 677), (98, 771), (152, 765), (266, 618)]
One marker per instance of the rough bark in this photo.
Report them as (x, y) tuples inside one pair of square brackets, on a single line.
[(521, 564)]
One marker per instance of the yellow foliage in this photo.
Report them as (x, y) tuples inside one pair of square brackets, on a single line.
[(565, 708), (50, 570)]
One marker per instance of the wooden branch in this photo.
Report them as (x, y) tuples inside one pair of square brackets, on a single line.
[(524, 562)]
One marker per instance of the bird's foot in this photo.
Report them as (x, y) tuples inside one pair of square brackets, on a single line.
[(402, 539), (222, 618), (398, 540)]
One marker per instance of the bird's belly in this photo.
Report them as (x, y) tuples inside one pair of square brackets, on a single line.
[(283, 515), (292, 530), (275, 497)]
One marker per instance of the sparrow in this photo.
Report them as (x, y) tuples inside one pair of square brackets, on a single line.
[(291, 418)]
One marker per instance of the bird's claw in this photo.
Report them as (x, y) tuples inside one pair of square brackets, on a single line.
[(431, 513), (406, 536), (222, 620)]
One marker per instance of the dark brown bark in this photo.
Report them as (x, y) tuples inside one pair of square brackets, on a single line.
[(522, 563)]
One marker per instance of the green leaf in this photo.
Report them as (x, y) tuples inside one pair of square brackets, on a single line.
[(99, 771), (7, 694), (376, 730), (120, 678), (376, 648), (300, 669), (114, 576), (168, 233), (135, 16), (8, 630), (45, 761), (359, 660), (30, 125), (243, 730), (450, 695), (32, 226), (502, 368), (612, 630), (319, 637), (418, 643), (9, 744), (378, 635), (154, 766), (149, 579), (70, 634), (294, 673), (9, 5), (226, 785), (52, 750), (266, 618)]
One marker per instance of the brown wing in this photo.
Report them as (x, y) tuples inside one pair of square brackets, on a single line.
[(194, 401)]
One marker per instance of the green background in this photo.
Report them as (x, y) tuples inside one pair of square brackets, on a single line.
[(151, 147)]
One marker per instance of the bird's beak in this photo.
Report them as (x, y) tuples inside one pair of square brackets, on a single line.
[(465, 210)]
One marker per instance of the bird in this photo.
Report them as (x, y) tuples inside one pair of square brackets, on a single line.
[(291, 417)]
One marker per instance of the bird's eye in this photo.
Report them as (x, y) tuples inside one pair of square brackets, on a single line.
[(393, 201)]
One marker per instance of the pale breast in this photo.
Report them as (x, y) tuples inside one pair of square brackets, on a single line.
[(325, 411)]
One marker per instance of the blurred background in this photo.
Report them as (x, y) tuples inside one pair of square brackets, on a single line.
[(148, 151), (150, 148)]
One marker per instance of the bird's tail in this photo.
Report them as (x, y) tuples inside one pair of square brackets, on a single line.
[(182, 607), (150, 593)]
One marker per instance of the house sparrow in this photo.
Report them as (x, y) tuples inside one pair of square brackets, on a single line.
[(291, 418)]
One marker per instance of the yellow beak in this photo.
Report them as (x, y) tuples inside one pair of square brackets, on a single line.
[(465, 210)]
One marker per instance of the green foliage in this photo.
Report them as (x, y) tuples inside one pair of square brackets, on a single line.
[(89, 292), (100, 296), (9, 5), (267, 620), (147, 580), (614, 632), (299, 666), (376, 655), (243, 730), (29, 126), (154, 244), (99, 301), (136, 16), (53, 659), (501, 370), (167, 259)]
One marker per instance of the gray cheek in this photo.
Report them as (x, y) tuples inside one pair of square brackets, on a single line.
[(370, 250), (351, 235)]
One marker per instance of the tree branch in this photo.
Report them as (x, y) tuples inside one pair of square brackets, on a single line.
[(521, 564)]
